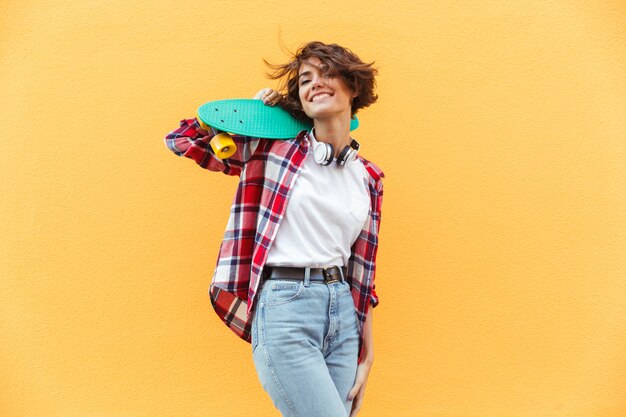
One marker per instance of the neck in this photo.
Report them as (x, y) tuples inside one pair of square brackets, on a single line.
[(334, 130)]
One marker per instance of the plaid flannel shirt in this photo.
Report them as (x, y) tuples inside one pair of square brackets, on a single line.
[(267, 171)]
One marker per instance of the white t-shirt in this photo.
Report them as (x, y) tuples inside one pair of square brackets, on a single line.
[(325, 213)]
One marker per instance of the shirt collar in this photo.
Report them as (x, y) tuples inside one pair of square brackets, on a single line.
[(312, 136)]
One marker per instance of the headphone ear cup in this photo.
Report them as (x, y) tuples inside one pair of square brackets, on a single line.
[(323, 153), (346, 155), (329, 156)]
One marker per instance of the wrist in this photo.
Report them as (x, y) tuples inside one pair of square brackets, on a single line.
[(368, 360)]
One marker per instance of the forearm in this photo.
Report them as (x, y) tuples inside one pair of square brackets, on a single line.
[(368, 338), (192, 141)]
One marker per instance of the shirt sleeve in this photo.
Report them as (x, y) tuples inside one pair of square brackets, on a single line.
[(374, 297), (192, 141), (379, 201)]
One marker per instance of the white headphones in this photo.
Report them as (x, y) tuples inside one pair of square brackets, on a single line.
[(324, 152)]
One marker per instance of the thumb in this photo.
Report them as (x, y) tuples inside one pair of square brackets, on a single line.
[(353, 393)]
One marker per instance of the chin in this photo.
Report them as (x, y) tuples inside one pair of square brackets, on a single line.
[(324, 113)]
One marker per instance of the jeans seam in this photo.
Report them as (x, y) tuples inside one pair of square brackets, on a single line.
[(255, 329), (275, 379)]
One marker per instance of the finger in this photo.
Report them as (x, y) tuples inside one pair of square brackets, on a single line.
[(271, 100), (269, 96), (272, 95), (354, 391), (355, 409), (358, 400)]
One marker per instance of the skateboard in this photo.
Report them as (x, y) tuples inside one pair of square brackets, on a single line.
[(249, 117)]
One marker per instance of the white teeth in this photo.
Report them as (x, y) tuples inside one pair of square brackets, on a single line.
[(320, 96)]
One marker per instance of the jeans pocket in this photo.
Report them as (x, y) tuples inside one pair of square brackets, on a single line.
[(281, 292), (346, 288)]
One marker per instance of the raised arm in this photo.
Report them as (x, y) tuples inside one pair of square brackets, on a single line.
[(192, 141), (192, 138)]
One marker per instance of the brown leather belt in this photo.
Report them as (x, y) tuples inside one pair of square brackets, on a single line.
[(327, 275)]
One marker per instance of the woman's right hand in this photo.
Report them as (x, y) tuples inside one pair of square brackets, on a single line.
[(269, 96)]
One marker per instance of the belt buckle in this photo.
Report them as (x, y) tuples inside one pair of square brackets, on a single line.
[(331, 275)]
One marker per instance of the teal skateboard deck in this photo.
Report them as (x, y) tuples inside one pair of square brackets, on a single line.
[(250, 117)]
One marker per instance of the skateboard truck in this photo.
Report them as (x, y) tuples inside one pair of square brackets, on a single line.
[(222, 144)]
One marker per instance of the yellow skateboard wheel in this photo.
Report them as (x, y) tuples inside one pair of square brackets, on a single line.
[(223, 145)]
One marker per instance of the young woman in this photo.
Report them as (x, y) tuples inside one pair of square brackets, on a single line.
[(295, 273)]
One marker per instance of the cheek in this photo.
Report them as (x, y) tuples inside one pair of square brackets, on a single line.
[(303, 102)]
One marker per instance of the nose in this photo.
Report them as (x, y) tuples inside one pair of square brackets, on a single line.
[(316, 81)]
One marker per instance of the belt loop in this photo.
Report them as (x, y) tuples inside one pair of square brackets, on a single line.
[(307, 276), (343, 277)]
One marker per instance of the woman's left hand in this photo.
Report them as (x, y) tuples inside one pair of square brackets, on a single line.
[(269, 96), (358, 391)]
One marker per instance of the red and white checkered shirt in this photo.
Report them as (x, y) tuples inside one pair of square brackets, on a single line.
[(267, 171)]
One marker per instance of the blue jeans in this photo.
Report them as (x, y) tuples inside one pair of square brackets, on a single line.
[(305, 346)]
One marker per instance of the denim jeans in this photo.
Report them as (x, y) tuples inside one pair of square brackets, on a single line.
[(305, 345)]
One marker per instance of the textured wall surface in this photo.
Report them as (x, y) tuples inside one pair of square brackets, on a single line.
[(502, 269)]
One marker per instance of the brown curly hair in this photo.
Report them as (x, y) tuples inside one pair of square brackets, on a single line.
[(336, 60)]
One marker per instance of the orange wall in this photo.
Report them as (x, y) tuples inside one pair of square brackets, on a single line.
[(501, 128)]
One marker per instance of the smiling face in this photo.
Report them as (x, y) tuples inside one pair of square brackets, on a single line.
[(322, 96)]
